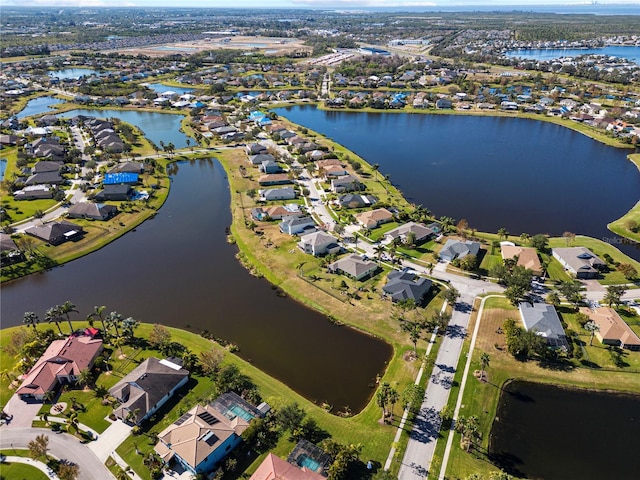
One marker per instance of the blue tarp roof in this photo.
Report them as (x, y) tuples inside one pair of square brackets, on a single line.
[(117, 178)]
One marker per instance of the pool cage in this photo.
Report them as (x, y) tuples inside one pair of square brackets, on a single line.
[(306, 454)]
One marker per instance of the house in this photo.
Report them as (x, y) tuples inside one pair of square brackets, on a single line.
[(294, 225), (143, 391), (458, 249), (44, 166), (284, 193), (125, 178), (444, 103), (354, 266), (275, 179), (329, 162), (34, 192), (255, 149), (94, 211), (348, 183), (333, 171), (422, 232), (261, 158), (200, 439), (542, 318), (319, 243), (274, 468), (356, 200), (61, 363), (403, 285), (579, 261), (56, 233), (374, 218), (115, 192), (128, 167), (44, 178), (277, 212), (612, 329), (269, 166), (527, 256)]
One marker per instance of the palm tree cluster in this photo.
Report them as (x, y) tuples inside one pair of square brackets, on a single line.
[(469, 428), (385, 396)]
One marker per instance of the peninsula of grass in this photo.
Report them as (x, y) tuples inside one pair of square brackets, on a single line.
[(629, 224)]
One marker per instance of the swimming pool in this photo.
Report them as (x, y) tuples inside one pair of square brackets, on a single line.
[(306, 461)]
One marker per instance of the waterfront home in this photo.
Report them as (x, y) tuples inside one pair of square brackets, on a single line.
[(443, 103), (354, 266), (543, 319), (34, 192), (506, 105), (284, 193), (422, 232), (114, 192), (527, 257), (319, 243), (315, 155), (56, 233), (458, 249), (261, 158), (356, 200), (200, 439), (127, 167), (277, 212), (612, 329), (403, 285), (93, 211), (294, 225), (269, 166), (374, 218), (274, 179), (275, 468), (579, 261), (348, 183), (332, 171), (329, 162), (143, 391), (60, 364)]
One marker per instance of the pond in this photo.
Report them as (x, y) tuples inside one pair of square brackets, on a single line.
[(161, 88), (39, 105), (544, 431), (524, 175), (157, 127), (73, 73), (178, 269), (631, 53)]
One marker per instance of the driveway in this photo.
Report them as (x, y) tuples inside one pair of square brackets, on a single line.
[(23, 412), (110, 439), (61, 446)]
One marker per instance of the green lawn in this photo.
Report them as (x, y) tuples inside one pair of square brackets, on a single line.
[(489, 262), (377, 233), (20, 471)]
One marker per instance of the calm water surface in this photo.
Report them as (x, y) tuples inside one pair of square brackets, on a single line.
[(524, 175), (73, 73), (631, 53), (161, 88), (37, 106), (157, 127), (178, 270), (546, 432)]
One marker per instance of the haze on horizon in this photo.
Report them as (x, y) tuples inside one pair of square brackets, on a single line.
[(334, 4)]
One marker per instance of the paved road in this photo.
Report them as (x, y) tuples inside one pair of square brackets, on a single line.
[(62, 446)]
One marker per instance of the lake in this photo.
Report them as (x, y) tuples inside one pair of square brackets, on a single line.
[(543, 431), (631, 53), (523, 175), (178, 269), (73, 73), (161, 88), (37, 106), (157, 127)]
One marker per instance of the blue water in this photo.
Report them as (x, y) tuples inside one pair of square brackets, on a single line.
[(168, 48), (308, 462), (630, 53), (161, 88), (73, 73), (157, 127), (37, 106), (240, 412), (3, 167)]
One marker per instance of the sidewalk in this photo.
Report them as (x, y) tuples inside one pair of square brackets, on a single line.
[(34, 463)]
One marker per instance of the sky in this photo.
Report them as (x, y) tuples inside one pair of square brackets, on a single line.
[(339, 4)]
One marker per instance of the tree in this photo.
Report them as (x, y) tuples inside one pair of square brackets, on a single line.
[(66, 308), (571, 291), (591, 327), (30, 318), (525, 237), (39, 446), (379, 249), (97, 313), (113, 320), (469, 428), (84, 377), (290, 416), (412, 397), (569, 237), (129, 325), (375, 167), (539, 242), (210, 361), (53, 315), (484, 363), (159, 336), (503, 233), (451, 295), (553, 298), (414, 330), (614, 294), (629, 271)]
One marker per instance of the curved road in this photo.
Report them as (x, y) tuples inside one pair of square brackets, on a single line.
[(61, 446)]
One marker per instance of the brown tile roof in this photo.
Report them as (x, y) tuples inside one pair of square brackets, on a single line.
[(612, 327), (274, 468), (373, 218), (527, 257)]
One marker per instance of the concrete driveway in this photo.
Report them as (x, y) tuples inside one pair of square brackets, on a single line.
[(61, 446), (23, 412)]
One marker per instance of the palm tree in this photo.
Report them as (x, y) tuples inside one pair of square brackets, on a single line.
[(484, 363), (502, 233), (84, 377), (112, 320), (375, 167), (525, 237), (129, 324), (72, 422), (30, 318), (393, 398), (553, 298), (52, 315), (415, 331), (591, 327), (382, 395), (379, 249), (97, 312), (66, 308)]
